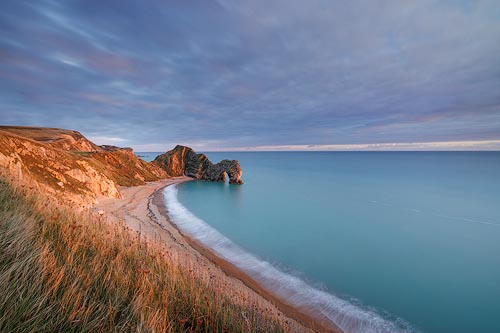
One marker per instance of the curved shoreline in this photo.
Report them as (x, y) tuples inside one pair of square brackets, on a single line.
[(143, 209), (320, 323)]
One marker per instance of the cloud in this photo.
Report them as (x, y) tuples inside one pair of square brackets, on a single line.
[(105, 140), (241, 74)]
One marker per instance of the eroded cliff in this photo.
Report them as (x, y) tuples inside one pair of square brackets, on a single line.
[(183, 160), (54, 137), (68, 166), (42, 168), (47, 161)]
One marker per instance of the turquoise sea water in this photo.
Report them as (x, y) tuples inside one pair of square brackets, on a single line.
[(377, 241)]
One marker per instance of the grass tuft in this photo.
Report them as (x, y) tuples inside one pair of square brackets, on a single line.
[(62, 270)]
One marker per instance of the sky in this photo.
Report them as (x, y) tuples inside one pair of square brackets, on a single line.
[(256, 75)]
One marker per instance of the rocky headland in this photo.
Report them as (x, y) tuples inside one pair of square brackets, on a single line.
[(183, 160), (68, 166)]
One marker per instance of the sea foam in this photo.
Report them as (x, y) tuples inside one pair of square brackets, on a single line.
[(348, 316)]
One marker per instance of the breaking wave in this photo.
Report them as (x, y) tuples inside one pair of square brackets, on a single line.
[(349, 317)]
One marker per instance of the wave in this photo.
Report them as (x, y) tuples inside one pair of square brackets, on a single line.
[(349, 317)]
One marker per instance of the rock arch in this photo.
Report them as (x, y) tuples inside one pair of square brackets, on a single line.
[(218, 171), (184, 161)]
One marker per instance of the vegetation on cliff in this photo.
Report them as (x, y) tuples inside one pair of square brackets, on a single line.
[(54, 137), (66, 271), (68, 166)]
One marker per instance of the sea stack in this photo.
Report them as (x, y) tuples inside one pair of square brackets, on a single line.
[(183, 160)]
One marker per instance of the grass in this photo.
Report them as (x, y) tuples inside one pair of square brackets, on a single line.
[(62, 270)]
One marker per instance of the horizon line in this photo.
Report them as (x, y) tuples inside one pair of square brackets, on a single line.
[(477, 145)]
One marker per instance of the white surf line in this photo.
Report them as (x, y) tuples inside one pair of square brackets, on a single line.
[(348, 316)]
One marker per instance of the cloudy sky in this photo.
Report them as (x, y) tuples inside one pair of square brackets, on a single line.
[(249, 74)]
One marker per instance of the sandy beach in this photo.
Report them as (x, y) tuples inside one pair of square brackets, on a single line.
[(143, 210)]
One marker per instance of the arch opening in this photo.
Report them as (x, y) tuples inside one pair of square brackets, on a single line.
[(225, 177)]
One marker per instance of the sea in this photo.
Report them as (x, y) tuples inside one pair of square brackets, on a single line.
[(375, 241)]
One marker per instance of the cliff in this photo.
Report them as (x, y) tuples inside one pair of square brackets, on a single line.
[(61, 174), (67, 166), (125, 168), (54, 137), (184, 161)]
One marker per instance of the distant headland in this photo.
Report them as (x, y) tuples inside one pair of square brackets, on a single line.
[(183, 160)]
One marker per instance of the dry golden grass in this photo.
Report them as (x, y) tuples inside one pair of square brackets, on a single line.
[(67, 271)]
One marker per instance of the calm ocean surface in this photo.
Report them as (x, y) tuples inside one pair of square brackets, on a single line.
[(377, 241)]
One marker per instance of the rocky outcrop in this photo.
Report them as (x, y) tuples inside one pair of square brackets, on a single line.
[(183, 160), (219, 171)]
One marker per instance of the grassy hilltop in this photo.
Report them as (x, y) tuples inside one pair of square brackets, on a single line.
[(65, 269)]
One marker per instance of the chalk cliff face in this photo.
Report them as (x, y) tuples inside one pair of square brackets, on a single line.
[(184, 161), (73, 169), (44, 169)]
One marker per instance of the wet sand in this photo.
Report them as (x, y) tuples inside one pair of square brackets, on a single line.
[(143, 210)]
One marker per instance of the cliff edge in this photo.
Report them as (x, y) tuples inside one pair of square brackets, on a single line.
[(68, 166), (55, 137), (183, 160)]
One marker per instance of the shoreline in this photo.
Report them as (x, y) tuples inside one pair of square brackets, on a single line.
[(143, 209)]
